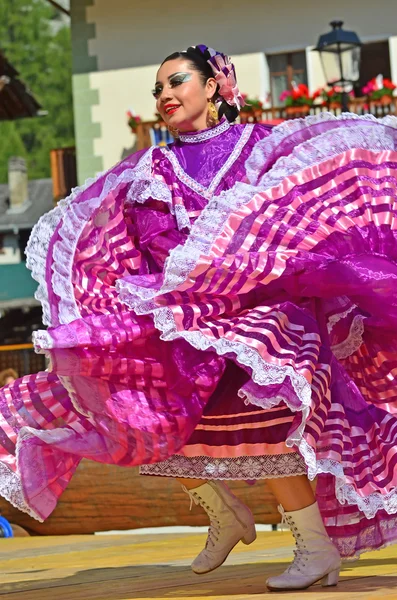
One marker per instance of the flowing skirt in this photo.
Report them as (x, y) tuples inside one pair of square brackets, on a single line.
[(291, 276)]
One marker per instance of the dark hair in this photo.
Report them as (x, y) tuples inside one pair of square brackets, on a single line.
[(198, 61)]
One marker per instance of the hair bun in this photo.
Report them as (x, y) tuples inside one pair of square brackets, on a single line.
[(230, 112)]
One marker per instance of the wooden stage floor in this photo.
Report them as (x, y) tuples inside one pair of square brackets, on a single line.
[(127, 567)]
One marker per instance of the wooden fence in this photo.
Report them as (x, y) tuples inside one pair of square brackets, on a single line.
[(22, 358), (105, 497)]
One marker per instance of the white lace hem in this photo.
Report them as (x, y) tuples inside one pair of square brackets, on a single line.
[(344, 491), (353, 341), (10, 483), (147, 186), (11, 490), (334, 319), (265, 147), (38, 246), (236, 468), (70, 218)]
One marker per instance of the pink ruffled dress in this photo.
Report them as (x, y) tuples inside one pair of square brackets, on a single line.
[(224, 307)]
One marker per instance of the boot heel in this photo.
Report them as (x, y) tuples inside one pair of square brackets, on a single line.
[(250, 536), (331, 578)]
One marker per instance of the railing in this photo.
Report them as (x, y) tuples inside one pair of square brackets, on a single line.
[(22, 358), (149, 132), (359, 106), (144, 133)]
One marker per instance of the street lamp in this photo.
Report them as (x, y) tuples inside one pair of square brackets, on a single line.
[(340, 53)]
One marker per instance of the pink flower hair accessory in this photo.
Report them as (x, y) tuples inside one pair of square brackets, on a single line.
[(225, 76)]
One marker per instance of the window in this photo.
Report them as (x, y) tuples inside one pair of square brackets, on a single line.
[(285, 68), (375, 60)]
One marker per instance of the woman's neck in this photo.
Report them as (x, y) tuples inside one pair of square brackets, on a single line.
[(195, 137)]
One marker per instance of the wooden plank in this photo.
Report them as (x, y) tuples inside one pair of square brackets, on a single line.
[(104, 498), (16, 347), (127, 567)]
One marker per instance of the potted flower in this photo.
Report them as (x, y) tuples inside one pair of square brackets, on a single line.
[(133, 120), (379, 90), (252, 110), (257, 108), (332, 97), (297, 100)]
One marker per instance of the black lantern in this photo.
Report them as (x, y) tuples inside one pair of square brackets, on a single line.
[(340, 53)]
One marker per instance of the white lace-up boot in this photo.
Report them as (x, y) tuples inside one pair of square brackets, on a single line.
[(230, 522), (315, 555)]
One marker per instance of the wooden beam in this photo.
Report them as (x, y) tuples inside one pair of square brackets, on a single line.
[(13, 347), (59, 7)]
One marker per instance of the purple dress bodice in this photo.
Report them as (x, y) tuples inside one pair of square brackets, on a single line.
[(198, 166)]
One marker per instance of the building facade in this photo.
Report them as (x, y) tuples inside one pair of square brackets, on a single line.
[(22, 202), (118, 45)]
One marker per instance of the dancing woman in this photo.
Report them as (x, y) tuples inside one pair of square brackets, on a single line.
[(224, 308)]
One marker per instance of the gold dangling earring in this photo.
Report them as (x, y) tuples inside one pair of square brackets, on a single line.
[(173, 131), (213, 117)]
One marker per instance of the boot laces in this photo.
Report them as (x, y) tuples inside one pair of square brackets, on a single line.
[(214, 529), (301, 553)]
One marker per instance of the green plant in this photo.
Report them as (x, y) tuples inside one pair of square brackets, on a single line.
[(299, 95), (251, 105)]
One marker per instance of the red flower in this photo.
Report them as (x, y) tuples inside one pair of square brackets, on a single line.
[(389, 84)]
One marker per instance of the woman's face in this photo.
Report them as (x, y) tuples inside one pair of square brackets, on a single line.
[(181, 97)]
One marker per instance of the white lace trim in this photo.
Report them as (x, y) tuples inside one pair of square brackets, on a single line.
[(207, 192), (353, 341), (182, 217), (71, 218), (42, 342), (10, 483), (147, 186), (65, 381), (263, 373), (345, 492), (237, 468), (11, 490), (264, 148), (328, 144), (37, 247), (208, 134), (334, 319), (347, 544)]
